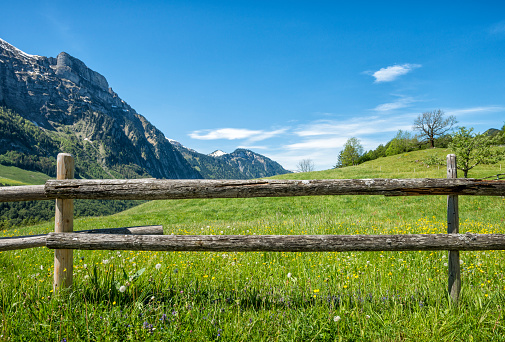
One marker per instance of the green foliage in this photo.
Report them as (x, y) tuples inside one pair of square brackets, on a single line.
[(473, 149), (434, 160), (30, 147), (350, 154), (16, 214), (403, 142)]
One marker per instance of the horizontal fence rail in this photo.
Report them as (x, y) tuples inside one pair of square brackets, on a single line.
[(32, 241), (155, 189), (278, 243), (23, 193)]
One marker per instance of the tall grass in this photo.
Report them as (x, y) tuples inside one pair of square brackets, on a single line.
[(194, 296)]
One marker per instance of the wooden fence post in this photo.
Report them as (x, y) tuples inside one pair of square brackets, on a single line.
[(64, 222), (454, 287)]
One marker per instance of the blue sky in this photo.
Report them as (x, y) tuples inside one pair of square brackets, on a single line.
[(291, 80)]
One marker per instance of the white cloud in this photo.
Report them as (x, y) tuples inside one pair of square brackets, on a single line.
[(364, 125), (235, 133), (392, 72), (400, 103), (318, 144)]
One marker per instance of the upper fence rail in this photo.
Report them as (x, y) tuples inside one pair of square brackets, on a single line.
[(157, 189)]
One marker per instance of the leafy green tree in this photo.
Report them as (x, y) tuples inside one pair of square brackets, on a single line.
[(433, 124), (402, 142), (351, 153), (472, 149)]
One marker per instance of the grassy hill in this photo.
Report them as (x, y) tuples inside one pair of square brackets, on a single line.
[(414, 164), (11, 175), (190, 296)]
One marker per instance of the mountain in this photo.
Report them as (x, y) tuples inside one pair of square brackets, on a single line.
[(240, 164), (53, 105)]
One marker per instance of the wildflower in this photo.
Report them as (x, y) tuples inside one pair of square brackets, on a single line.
[(336, 318), (106, 261), (122, 288), (367, 316), (316, 290), (41, 267), (158, 266), (289, 275)]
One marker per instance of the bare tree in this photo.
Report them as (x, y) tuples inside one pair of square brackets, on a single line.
[(305, 165), (433, 124)]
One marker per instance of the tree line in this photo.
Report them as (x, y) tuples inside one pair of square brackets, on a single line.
[(433, 129)]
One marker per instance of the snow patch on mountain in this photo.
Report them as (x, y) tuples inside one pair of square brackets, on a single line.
[(6, 46), (217, 153)]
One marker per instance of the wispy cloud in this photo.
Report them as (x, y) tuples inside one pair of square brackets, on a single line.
[(398, 104), (363, 125), (235, 133), (318, 143), (391, 73), (475, 110)]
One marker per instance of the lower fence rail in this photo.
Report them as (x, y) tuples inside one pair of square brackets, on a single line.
[(278, 243), (32, 241)]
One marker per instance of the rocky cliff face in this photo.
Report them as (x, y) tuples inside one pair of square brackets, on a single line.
[(75, 106)]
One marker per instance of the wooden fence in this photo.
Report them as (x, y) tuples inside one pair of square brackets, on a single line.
[(64, 189)]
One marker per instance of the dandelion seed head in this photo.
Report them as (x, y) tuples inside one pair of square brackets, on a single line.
[(336, 318), (122, 288), (158, 266)]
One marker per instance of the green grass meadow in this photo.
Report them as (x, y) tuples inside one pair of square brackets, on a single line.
[(195, 296), (11, 175)]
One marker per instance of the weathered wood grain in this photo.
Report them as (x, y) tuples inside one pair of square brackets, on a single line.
[(32, 241), (278, 243), (22, 193), (180, 189), (63, 223), (22, 242), (152, 189), (454, 280)]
